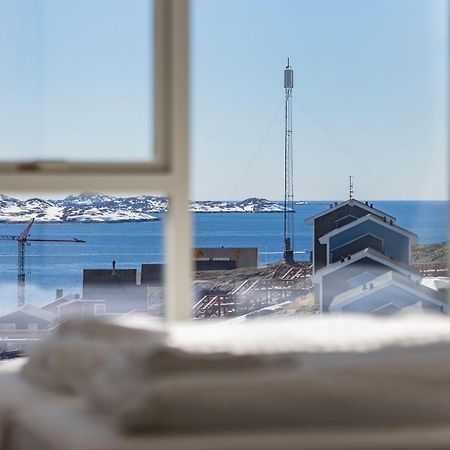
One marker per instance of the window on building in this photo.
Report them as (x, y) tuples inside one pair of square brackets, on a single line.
[(99, 309)]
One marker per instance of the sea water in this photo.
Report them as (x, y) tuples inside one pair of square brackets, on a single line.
[(53, 265)]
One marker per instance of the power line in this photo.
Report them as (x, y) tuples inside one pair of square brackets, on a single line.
[(346, 150), (352, 156), (258, 149)]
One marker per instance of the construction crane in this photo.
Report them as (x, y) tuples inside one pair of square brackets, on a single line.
[(288, 167), (23, 240)]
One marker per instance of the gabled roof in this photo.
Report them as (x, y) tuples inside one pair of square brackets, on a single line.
[(371, 254), (351, 202), (81, 300), (383, 281), (414, 238), (58, 301), (33, 311)]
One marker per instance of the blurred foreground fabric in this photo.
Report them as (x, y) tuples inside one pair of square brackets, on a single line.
[(282, 384)]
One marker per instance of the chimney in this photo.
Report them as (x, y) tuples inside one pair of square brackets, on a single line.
[(59, 293)]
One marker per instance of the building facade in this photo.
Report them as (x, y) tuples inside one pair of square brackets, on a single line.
[(361, 261)]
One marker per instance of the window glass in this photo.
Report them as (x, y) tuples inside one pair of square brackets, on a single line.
[(320, 167), (79, 255), (76, 80)]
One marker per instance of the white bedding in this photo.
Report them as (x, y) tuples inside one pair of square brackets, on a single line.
[(335, 370)]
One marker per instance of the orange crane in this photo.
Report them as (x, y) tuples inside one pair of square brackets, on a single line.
[(22, 240)]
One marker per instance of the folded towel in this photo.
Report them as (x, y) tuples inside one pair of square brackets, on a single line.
[(385, 392), (78, 348), (309, 372)]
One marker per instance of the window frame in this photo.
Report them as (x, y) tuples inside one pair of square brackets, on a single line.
[(167, 174)]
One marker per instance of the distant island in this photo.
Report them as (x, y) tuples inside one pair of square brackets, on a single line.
[(92, 207)]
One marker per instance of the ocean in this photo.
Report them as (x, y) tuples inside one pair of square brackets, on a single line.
[(53, 265)]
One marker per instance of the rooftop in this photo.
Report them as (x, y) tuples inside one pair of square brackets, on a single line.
[(379, 220), (351, 202), (372, 254)]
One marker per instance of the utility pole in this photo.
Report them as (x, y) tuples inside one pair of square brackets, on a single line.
[(288, 167)]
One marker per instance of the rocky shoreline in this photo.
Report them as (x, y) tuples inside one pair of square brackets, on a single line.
[(430, 253)]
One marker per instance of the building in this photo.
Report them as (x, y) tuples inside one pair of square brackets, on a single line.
[(118, 287), (81, 308), (53, 305), (27, 318), (369, 231), (336, 216), (221, 258), (152, 274), (362, 263), (389, 294)]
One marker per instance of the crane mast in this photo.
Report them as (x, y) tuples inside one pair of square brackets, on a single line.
[(288, 167), (23, 240)]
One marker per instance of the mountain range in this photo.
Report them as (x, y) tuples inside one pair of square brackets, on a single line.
[(95, 207)]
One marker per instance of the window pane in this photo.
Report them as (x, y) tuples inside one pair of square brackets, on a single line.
[(88, 255), (76, 80), (275, 140)]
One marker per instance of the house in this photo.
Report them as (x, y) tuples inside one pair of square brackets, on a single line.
[(355, 270), (27, 318), (53, 305), (81, 308), (336, 216), (369, 231), (389, 294), (361, 263)]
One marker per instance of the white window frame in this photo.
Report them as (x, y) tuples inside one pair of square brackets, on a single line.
[(167, 174)]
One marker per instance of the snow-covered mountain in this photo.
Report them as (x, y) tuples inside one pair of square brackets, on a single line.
[(248, 205), (95, 207)]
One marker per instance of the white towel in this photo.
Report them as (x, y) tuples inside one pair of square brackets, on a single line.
[(343, 370)]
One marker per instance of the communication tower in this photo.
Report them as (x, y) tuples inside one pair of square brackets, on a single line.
[(288, 167)]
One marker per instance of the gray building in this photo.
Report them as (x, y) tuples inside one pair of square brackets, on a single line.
[(389, 293), (361, 263), (117, 286), (358, 269), (369, 231), (27, 318), (225, 257), (336, 216)]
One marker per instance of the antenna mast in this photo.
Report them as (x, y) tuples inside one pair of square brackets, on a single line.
[(351, 191), (288, 167)]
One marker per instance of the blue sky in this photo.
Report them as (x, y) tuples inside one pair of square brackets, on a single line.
[(75, 79), (373, 73), (74, 82)]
